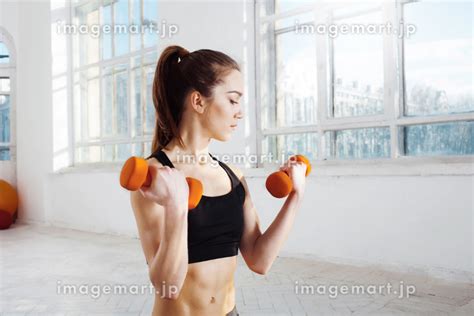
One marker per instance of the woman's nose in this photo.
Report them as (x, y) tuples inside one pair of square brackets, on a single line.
[(239, 115)]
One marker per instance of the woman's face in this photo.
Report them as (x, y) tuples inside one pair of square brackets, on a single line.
[(225, 108)]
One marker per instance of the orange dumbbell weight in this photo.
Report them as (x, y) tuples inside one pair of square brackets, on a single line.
[(135, 175), (279, 183)]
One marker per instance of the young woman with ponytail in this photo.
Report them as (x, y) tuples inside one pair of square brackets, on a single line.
[(192, 254)]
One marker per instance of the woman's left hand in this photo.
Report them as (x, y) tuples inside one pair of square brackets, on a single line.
[(296, 170)]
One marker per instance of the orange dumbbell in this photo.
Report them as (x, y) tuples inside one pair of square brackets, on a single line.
[(279, 183), (135, 175)]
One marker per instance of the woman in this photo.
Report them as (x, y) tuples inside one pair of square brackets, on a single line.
[(192, 256)]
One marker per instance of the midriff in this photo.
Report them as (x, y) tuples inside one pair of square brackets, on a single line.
[(207, 290)]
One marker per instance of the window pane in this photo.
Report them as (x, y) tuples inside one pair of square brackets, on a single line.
[(149, 107), (148, 149), (107, 102), (87, 104), (4, 54), (121, 99), (136, 97), (151, 59), (4, 84), (136, 14), (116, 152), (121, 27), (358, 70), (150, 18), (267, 75), (455, 138), (281, 147), (138, 150), (78, 108), (88, 154), (5, 154), (438, 58), (295, 21), (86, 45), (124, 151), (93, 103), (364, 143), (286, 5), (106, 38), (143, 115), (108, 153), (265, 8), (4, 118), (295, 80)]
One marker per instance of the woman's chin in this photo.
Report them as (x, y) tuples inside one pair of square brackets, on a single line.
[(223, 137)]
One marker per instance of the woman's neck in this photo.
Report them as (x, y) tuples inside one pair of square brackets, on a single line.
[(190, 154)]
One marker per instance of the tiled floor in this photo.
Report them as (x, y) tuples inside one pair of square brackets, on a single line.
[(38, 261)]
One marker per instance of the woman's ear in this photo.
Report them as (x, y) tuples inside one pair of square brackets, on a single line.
[(197, 102)]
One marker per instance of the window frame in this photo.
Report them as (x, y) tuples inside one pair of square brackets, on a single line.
[(124, 59), (393, 116)]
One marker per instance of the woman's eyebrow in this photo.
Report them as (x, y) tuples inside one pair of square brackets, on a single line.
[(234, 91)]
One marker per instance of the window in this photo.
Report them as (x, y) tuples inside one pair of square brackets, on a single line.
[(438, 83), (5, 104), (370, 94), (4, 118), (112, 77)]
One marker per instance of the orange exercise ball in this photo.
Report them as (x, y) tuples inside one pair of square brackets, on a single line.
[(6, 219), (8, 197)]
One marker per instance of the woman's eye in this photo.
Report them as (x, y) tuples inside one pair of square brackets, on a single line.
[(233, 102)]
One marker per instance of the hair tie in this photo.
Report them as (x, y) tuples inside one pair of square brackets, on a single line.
[(182, 56)]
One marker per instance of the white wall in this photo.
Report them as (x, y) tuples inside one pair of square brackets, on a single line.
[(404, 222), (28, 23)]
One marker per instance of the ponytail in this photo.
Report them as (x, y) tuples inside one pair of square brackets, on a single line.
[(168, 109)]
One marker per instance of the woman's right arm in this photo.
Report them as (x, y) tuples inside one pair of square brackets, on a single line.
[(163, 234)]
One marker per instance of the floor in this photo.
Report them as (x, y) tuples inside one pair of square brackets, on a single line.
[(37, 262)]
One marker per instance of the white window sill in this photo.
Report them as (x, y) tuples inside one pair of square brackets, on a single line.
[(403, 166)]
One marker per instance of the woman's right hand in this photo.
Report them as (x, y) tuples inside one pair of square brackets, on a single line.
[(168, 188)]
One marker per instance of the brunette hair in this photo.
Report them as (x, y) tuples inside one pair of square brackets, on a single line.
[(177, 73)]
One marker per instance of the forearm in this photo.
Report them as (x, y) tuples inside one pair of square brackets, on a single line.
[(169, 267), (268, 245)]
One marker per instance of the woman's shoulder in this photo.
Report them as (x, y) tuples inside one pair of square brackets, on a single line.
[(236, 170)]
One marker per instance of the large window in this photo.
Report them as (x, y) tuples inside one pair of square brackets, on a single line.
[(4, 118), (5, 104), (112, 77), (366, 93)]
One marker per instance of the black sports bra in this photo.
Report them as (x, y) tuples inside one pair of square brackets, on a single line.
[(215, 226)]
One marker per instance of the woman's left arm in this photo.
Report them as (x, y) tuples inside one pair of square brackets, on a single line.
[(258, 249)]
